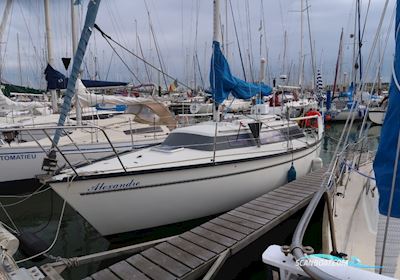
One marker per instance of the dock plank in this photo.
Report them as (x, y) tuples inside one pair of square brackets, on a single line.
[(248, 217), (149, 268), (279, 199), (105, 274), (292, 192), (180, 255), (240, 221), (271, 205), (233, 226), (264, 209), (220, 239), (276, 200), (224, 231), (287, 196), (166, 262), (203, 242), (298, 190), (255, 213), (192, 248), (125, 271)]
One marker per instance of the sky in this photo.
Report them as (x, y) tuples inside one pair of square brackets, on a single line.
[(182, 30)]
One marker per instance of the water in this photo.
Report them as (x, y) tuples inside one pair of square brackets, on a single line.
[(41, 213)]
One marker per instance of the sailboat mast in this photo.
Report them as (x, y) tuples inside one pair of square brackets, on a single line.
[(359, 38), (216, 38), (226, 31), (216, 21), (301, 74), (50, 58), (4, 20), (19, 60), (338, 64), (74, 20)]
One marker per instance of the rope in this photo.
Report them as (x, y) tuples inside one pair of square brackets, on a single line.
[(9, 217), (56, 235), (26, 197)]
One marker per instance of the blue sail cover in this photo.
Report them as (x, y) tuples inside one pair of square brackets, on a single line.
[(223, 82), (56, 80), (386, 155)]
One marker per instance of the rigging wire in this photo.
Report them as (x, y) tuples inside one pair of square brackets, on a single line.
[(237, 40), (158, 51), (122, 60), (108, 38), (143, 59)]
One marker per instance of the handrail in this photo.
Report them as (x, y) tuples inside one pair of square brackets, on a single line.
[(75, 127)]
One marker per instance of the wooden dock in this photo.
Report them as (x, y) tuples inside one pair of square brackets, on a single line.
[(202, 250)]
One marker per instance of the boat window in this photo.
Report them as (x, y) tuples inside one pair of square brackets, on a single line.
[(194, 141), (241, 140), (294, 132), (143, 130), (273, 136)]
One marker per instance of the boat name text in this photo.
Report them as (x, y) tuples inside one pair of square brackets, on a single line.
[(17, 157), (102, 187)]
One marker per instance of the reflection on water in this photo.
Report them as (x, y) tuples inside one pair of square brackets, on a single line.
[(40, 214)]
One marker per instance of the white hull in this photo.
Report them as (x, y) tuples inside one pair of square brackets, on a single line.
[(131, 202), (376, 117), (343, 115)]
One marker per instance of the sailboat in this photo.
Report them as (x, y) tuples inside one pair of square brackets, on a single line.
[(361, 223), (198, 170)]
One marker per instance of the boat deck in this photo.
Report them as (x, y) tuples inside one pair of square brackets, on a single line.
[(203, 249)]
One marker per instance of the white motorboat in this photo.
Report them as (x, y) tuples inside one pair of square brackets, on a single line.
[(190, 175)]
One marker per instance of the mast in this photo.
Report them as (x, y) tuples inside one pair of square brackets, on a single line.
[(6, 16), (74, 20), (216, 38), (226, 30), (301, 74), (284, 53), (338, 63), (355, 64), (359, 38), (50, 58), (19, 60), (311, 45)]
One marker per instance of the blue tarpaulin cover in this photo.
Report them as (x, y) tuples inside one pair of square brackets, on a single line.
[(56, 80), (223, 82), (386, 155)]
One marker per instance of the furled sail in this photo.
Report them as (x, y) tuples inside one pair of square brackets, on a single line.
[(56, 80), (223, 82), (146, 110), (385, 159), (7, 105)]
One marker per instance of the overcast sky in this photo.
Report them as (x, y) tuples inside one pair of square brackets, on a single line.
[(175, 24)]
